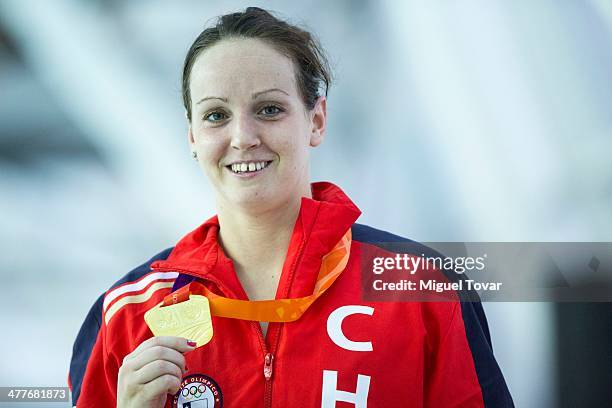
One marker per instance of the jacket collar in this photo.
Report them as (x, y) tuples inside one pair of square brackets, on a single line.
[(321, 222)]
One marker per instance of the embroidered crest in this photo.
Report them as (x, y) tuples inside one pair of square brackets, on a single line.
[(198, 391)]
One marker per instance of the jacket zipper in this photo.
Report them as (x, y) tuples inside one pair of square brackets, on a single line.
[(268, 368), (274, 335), (268, 362), (268, 357)]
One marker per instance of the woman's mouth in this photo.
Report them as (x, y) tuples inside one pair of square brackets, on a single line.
[(248, 167)]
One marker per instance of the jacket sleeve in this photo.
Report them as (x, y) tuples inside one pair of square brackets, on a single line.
[(93, 374), (461, 370)]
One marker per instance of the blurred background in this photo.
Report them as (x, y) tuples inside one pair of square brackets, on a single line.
[(449, 121)]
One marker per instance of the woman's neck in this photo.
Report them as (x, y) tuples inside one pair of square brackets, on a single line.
[(257, 242)]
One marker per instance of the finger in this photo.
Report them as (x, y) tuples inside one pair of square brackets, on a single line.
[(166, 384), (156, 369), (157, 353), (177, 343)]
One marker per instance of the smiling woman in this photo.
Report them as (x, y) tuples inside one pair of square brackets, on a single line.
[(276, 273), (250, 111)]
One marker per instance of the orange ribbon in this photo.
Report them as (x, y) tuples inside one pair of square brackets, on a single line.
[(279, 310)]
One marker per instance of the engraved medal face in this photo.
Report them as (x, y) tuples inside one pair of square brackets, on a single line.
[(189, 319)]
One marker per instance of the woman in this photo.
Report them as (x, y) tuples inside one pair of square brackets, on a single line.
[(254, 88)]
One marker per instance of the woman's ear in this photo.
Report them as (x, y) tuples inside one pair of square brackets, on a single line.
[(192, 145), (318, 118), (190, 138)]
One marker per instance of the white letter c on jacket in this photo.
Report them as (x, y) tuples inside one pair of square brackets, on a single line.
[(334, 327)]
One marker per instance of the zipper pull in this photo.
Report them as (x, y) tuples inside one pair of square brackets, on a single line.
[(268, 366)]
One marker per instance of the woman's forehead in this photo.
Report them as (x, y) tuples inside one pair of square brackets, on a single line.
[(237, 66)]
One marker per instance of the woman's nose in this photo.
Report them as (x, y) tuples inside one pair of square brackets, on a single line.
[(245, 134)]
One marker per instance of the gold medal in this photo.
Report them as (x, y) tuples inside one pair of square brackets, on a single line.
[(189, 319)]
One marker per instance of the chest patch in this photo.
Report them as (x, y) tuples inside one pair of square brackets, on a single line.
[(198, 391)]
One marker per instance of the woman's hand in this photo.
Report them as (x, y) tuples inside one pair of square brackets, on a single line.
[(151, 371)]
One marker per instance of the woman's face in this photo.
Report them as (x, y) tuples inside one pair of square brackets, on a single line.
[(249, 126)]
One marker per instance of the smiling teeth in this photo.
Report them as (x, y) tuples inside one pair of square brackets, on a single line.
[(248, 167)]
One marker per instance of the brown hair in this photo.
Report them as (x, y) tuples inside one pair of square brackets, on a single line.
[(312, 71)]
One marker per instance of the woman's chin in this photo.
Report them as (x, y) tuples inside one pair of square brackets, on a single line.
[(252, 201)]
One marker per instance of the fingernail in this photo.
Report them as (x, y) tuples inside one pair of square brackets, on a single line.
[(191, 343)]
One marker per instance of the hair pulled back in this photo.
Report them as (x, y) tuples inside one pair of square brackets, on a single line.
[(312, 71)]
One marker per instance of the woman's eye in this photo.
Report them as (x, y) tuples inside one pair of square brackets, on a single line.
[(271, 110), (214, 117)]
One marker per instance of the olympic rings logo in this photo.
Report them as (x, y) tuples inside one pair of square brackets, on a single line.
[(195, 391)]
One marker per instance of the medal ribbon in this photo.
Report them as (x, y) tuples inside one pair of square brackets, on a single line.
[(278, 310)]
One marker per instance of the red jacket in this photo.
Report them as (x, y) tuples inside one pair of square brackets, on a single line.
[(343, 350)]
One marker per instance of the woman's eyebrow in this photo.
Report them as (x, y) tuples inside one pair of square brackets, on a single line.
[(211, 97), (256, 94)]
